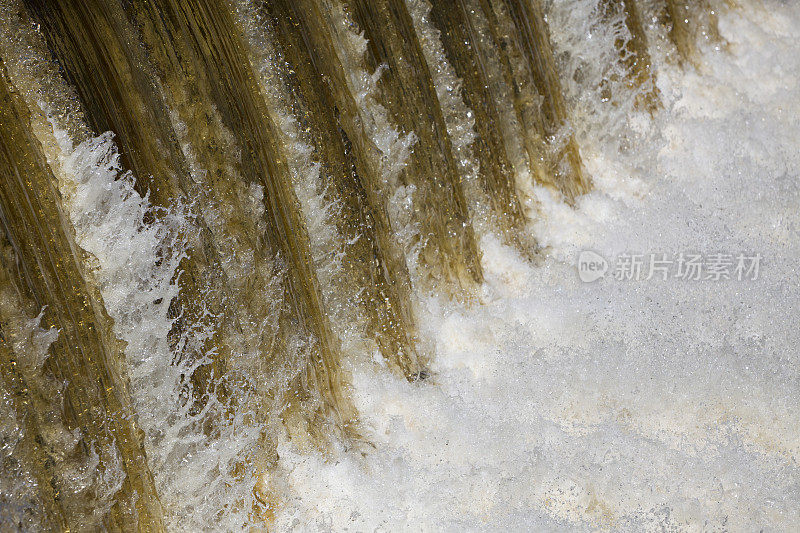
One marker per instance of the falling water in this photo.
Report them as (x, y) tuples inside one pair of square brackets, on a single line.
[(220, 217)]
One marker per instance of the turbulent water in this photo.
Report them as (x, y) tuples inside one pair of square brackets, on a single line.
[(387, 265)]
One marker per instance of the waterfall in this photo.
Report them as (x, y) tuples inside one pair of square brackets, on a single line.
[(216, 214)]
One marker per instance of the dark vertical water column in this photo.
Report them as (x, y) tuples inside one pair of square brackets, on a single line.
[(99, 55), (689, 22), (679, 16), (512, 85), (124, 60), (534, 39), (26, 398), (46, 269), (236, 264), (208, 29), (374, 262), (496, 173), (634, 54), (450, 249)]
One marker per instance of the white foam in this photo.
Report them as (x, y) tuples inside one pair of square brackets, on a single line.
[(635, 406), (137, 249)]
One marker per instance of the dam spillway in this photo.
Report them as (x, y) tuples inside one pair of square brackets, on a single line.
[(215, 212)]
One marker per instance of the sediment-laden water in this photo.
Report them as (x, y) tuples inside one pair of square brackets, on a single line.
[(310, 265)]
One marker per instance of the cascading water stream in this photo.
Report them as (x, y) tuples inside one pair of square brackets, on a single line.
[(220, 218)]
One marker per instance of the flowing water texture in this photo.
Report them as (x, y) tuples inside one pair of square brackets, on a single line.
[(321, 265)]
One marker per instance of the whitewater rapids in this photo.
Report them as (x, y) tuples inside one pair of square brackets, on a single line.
[(616, 405)]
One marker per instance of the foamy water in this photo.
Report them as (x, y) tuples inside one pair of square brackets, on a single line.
[(619, 404)]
